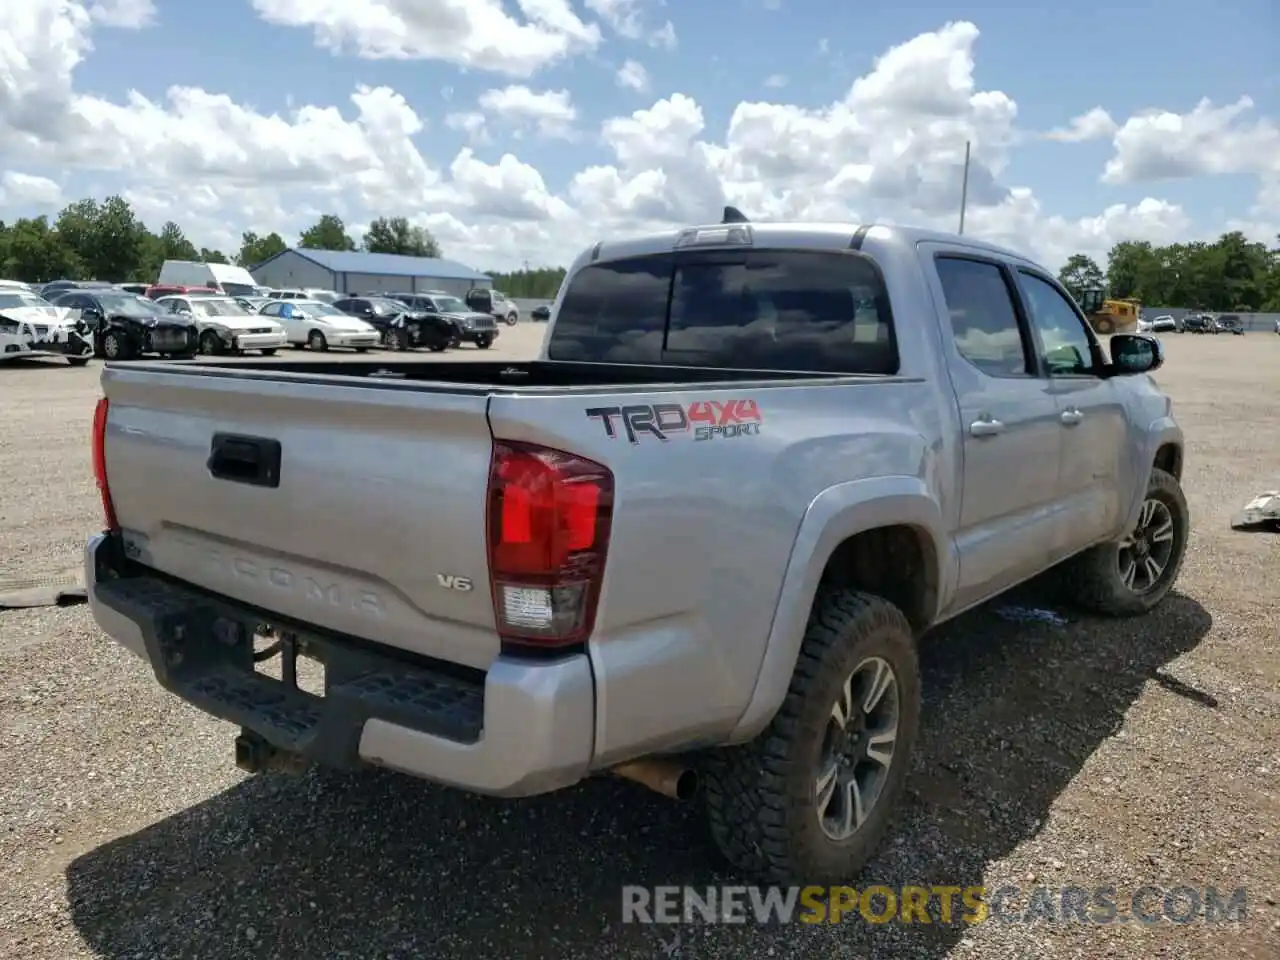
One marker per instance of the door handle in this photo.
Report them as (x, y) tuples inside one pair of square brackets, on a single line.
[(251, 460), (985, 427), (1071, 417)]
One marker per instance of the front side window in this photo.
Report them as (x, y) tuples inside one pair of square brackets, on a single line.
[(1066, 346)]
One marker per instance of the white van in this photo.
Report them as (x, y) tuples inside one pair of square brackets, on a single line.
[(224, 277)]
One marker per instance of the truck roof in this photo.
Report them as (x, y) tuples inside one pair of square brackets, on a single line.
[(788, 233)]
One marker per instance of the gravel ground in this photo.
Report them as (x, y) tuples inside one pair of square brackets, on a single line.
[(1088, 752)]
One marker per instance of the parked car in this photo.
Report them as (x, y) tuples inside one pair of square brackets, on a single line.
[(310, 293), (319, 325), (1198, 323), (31, 327), (474, 326), (1230, 323), (570, 608), (541, 313), (225, 326), (125, 326), (401, 327), (493, 302), (1164, 324)]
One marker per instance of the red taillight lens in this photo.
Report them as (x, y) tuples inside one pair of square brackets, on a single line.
[(549, 519), (100, 463)]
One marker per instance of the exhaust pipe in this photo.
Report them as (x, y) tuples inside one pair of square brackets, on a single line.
[(667, 777)]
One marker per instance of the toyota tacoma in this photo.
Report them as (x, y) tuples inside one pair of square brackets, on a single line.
[(695, 543)]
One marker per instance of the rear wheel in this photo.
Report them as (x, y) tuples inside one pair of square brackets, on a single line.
[(1105, 326), (316, 341), (512, 318), (811, 798), (269, 352)]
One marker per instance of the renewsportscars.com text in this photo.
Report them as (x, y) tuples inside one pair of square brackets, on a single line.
[(932, 904)]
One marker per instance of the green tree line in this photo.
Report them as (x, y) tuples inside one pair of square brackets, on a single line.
[(92, 240), (105, 240), (1231, 274), (540, 284)]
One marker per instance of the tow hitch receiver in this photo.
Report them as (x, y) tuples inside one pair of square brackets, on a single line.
[(255, 755)]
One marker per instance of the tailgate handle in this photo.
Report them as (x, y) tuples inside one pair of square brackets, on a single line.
[(251, 460)]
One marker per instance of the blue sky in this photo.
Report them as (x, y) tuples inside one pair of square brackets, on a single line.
[(1055, 65)]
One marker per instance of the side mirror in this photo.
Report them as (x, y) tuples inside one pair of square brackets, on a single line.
[(1135, 353)]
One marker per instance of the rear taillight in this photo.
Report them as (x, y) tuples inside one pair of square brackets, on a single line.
[(100, 463), (548, 526)]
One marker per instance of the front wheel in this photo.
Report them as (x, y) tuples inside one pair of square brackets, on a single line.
[(811, 798), (1132, 575), (116, 346), (483, 343), (394, 339), (210, 343)]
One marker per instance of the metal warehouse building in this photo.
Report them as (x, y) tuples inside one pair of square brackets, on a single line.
[(351, 271)]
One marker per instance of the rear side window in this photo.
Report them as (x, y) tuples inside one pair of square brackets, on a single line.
[(984, 322), (766, 310)]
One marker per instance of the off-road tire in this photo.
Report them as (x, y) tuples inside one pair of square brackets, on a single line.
[(1092, 579), (760, 796)]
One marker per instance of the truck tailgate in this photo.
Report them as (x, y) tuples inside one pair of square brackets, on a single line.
[(376, 524)]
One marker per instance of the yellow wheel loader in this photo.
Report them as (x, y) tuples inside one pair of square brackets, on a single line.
[(1110, 316)]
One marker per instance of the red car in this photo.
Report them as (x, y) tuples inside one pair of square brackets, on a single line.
[(156, 290)]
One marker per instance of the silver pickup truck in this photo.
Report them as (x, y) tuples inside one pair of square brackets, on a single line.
[(695, 543)]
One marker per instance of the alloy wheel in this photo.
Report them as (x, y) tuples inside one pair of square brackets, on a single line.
[(1144, 554), (858, 748)]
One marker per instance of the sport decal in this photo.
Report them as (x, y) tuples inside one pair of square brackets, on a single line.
[(705, 419)]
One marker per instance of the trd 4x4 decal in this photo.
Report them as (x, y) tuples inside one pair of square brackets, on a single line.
[(706, 419)]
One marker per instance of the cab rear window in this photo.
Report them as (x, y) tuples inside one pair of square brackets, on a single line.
[(764, 310)]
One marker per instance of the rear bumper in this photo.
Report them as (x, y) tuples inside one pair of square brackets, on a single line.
[(518, 730)]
